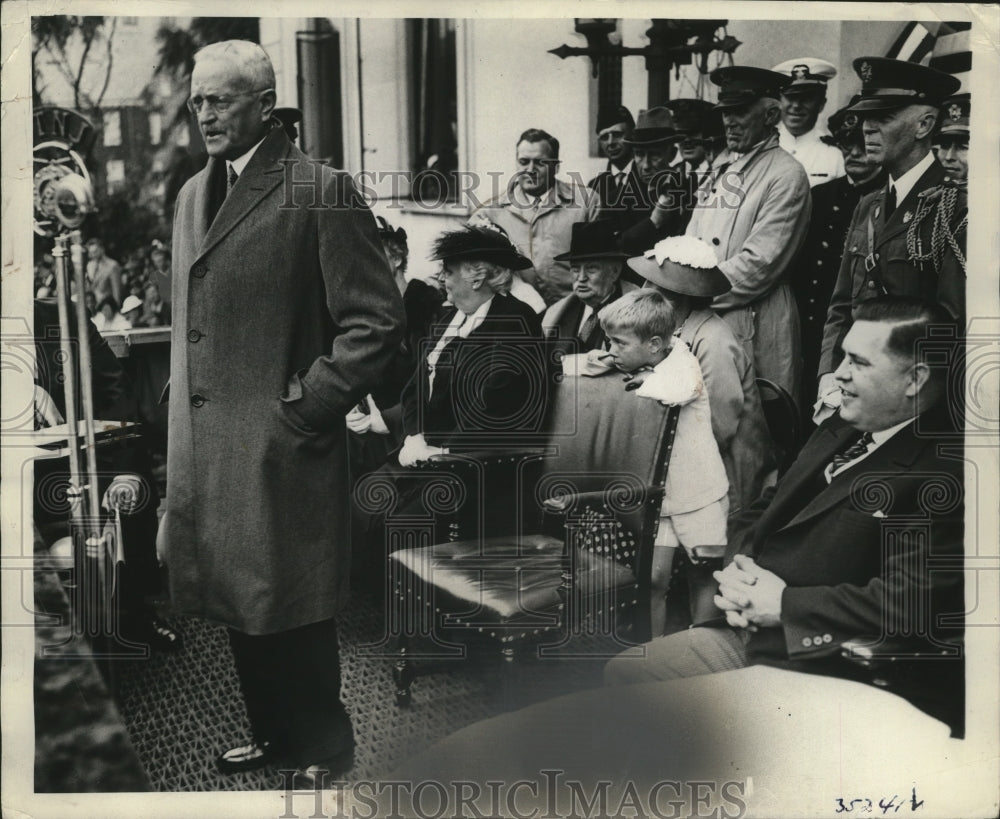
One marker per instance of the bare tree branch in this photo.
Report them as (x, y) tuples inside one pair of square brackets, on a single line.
[(107, 74)]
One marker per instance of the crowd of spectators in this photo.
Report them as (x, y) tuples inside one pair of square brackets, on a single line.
[(121, 295)]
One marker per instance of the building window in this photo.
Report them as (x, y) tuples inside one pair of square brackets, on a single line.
[(182, 137), (155, 128), (112, 129), (115, 169), (433, 97)]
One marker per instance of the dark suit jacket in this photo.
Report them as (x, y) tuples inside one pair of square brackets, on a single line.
[(562, 320), (639, 233), (489, 388), (893, 271), (857, 553)]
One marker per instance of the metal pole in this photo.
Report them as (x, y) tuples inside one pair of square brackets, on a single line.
[(96, 557)]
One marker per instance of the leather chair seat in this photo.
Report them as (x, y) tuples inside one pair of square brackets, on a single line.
[(512, 576)]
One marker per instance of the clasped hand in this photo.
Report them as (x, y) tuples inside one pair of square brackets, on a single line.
[(749, 595)]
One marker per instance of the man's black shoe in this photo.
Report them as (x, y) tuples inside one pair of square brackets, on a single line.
[(245, 758), (322, 774)]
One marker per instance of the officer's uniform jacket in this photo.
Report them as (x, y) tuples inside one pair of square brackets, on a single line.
[(877, 259)]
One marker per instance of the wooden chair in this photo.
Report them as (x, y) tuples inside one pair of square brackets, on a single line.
[(783, 421), (579, 549)]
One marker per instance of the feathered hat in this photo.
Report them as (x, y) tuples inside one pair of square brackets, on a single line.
[(483, 242)]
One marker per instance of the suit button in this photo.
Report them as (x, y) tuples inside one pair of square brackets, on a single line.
[(819, 263), (815, 281), (836, 208), (807, 642), (199, 271), (871, 283), (197, 400), (827, 638), (715, 240), (854, 248), (825, 244), (194, 336)]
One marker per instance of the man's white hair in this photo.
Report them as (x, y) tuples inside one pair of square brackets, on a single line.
[(253, 63)]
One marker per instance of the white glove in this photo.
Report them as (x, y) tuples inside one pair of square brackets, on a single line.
[(415, 450), (828, 398), (377, 421), (358, 421), (46, 412)]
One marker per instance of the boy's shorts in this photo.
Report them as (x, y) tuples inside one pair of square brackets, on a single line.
[(702, 527)]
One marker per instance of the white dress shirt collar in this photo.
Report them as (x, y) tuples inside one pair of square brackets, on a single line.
[(905, 183), (240, 163), (878, 438)]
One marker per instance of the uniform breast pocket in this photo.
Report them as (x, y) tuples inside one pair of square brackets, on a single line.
[(856, 249), (904, 278)]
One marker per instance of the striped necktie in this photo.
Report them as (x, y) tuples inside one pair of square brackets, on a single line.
[(853, 452)]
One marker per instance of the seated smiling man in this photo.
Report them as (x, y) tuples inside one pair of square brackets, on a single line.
[(863, 535)]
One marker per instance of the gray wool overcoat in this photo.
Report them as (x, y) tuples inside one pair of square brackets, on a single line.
[(285, 315)]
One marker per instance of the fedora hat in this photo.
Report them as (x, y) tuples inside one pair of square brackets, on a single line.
[(593, 240), (654, 125), (684, 265)]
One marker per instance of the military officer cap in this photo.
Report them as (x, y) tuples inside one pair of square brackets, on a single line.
[(889, 84), (955, 116), (654, 126), (808, 74), (693, 116), (845, 125), (606, 117), (743, 84)]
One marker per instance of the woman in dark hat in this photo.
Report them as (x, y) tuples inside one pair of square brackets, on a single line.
[(375, 424), (685, 270), (482, 381)]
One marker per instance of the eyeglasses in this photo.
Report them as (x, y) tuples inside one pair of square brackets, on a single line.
[(218, 104)]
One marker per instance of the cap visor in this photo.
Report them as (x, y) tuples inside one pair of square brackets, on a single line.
[(603, 254), (875, 105)]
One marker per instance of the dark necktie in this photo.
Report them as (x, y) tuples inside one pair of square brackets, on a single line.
[(231, 180), (588, 326), (890, 201), (855, 450)]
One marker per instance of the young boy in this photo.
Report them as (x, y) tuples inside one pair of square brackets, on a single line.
[(640, 329)]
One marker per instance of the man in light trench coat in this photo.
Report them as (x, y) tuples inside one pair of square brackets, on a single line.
[(285, 314), (754, 212)]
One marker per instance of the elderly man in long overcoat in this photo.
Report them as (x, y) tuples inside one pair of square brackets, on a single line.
[(285, 313), (755, 213)]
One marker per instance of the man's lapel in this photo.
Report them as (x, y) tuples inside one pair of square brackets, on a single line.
[(896, 455), (902, 216), (203, 204), (830, 438), (261, 176)]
